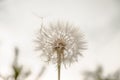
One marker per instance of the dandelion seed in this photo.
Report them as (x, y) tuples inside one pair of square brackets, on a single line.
[(60, 43)]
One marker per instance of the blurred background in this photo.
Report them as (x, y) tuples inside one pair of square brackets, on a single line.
[(99, 20)]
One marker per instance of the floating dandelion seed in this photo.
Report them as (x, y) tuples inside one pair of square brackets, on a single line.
[(60, 43)]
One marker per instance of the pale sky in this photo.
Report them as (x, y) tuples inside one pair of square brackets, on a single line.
[(99, 20)]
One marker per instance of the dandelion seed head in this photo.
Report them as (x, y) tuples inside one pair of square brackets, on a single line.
[(63, 37)]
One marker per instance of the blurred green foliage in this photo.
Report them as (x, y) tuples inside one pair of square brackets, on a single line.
[(19, 71), (98, 75)]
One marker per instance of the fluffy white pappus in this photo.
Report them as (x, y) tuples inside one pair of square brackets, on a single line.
[(60, 36)]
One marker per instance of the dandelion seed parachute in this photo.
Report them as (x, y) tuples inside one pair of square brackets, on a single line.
[(60, 36)]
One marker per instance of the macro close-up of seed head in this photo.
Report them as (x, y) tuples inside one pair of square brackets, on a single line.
[(60, 43), (61, 38)]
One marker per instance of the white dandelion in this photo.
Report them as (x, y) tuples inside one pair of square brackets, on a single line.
[(60, 43)]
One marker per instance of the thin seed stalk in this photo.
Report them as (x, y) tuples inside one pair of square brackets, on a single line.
[(59, 69), (59, 63)]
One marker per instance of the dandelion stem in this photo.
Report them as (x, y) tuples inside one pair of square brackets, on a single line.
[(59, 67), (59, 63)]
